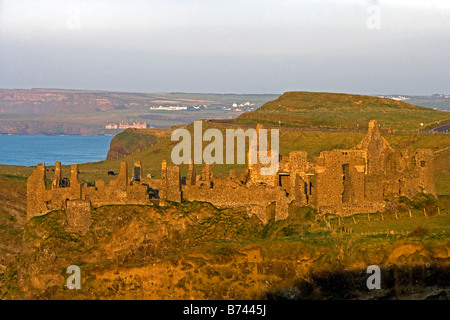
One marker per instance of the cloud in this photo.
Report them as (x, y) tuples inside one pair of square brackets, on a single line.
[(242, 44)]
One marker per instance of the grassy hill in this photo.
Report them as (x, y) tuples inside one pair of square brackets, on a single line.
[(13, 194), (132, 140), (337, 110)]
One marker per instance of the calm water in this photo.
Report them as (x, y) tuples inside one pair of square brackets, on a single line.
[(29, 150)]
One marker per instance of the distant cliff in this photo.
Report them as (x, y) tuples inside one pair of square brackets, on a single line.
[(48, 127), (61, 111), (43, 101)]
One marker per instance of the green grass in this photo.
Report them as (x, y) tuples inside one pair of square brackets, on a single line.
[(129, 140), (332, 110), (383, 223)]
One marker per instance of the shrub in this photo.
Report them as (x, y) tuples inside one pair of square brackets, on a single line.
[(404, 203), (419, 232), (426, 201)]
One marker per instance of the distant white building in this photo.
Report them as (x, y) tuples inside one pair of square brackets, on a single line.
[(399, 98), (126, 125), (242, 104), (134, 125), (169, 108)]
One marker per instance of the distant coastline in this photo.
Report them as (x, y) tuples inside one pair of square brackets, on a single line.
[(61, 111)]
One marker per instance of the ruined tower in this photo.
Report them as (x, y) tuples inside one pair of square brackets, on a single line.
[(255, 165), (75, 185), (122, 179), (171, 179), (191, 176), (37, 196), (137, 171), (57, 178), (377, 148)]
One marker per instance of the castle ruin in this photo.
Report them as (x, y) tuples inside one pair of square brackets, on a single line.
[(362, 179)]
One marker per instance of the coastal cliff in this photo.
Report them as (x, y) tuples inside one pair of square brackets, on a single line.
[(133, 140), (196, 251)]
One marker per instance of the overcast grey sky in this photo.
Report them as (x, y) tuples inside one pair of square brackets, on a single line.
[(239, 46)]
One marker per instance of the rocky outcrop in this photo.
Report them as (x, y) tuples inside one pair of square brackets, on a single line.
[(133, 140), (195, 251)]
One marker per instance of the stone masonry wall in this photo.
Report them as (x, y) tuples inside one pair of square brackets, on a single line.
[(78, 215), (362, 179)]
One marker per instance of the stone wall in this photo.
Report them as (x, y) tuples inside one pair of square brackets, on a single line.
[(362, 179), (41, 200), (38, 197), (78, 214)]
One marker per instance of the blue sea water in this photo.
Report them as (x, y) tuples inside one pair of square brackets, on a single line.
[(30, 150)]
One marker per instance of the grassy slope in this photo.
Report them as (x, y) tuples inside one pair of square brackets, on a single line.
[(131, 140), (332, 110), (12, 217)]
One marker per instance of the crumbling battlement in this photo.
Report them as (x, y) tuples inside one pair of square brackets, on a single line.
[(122, 190), (362, 179)]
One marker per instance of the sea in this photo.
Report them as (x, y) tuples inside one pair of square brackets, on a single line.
[(30, 150)]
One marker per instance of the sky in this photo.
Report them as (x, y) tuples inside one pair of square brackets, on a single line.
[(227, 46)]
